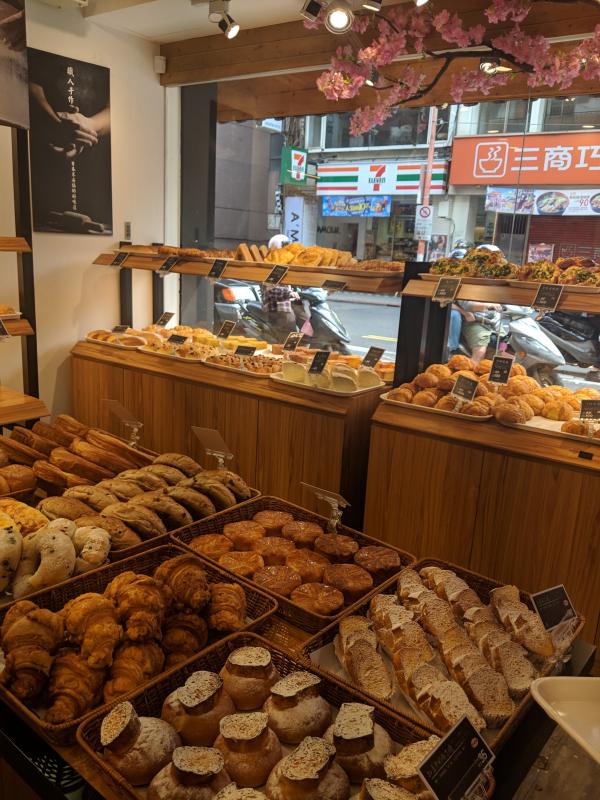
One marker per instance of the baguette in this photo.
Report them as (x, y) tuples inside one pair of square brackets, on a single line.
[(97, 455), (48, 473), (20, 453), (69, 462), (109, 442), (70, 425), (18, 477), (61, 438), (33, 440)]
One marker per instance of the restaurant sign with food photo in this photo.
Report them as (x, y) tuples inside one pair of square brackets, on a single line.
[(543, 202)]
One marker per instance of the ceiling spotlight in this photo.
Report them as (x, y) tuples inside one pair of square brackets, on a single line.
[(311, 9), (372, 5), (373, 78), (216, 9), (491, 65), (339, 17), (420, 3), (229, 26)]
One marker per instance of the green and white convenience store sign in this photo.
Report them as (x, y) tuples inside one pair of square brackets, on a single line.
[(390, 177)]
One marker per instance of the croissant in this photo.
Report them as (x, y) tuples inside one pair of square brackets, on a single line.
[(74, 687), (186, 579), (142, 604), (184, 635), (29, 636), (227, 610), (134, 664), (92, 622)]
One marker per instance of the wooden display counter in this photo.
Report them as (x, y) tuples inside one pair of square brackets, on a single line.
[(520, 507), (18, 407), (280, 435)]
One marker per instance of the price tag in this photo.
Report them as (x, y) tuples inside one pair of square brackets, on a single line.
[(334, 286), (120, 329), (292, 342), (119, 259), (168, 264), (276, 275), (373, 357), (319, 361), (547, 297), (554, 606), (465, 388), (457, 764), (164, 319), (226, 329), (446, 290), (213, 444), (336, 502), (244, 350), (501, 369), (218, 268), (590, 410), (177, 339), (121, 412)]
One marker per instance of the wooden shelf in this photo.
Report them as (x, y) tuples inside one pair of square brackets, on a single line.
[(18, 327), (13, 244), (17, 407), (508, 295), (355, 280)]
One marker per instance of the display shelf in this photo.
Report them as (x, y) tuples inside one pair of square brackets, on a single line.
[(13, 244), (506, 295), (18, 327), (384, 282), (18, 407)]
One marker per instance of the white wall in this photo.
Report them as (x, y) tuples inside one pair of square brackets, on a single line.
[(73, 296)]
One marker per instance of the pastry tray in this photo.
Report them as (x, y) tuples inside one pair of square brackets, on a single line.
[(568, 287), (278, 378), (247, 372), (434, 278), (320, 650), (16, 315), (113, 344), (148, 703), (300, 617), (455, 414), (550, 427), (173, 357), (260, 607)]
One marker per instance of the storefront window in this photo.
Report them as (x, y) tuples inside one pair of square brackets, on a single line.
[(408, 126), (572, 113), (511, 116)]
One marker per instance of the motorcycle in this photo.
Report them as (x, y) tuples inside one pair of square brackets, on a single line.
[(577, 336)]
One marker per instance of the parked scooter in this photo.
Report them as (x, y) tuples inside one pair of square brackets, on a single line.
[(577, 336)]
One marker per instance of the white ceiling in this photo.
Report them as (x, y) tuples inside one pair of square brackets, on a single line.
[(170, 20)]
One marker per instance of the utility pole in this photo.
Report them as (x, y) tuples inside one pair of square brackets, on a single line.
[(425, 184)]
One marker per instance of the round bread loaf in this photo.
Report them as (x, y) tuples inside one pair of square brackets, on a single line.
[(274, 550), (308, 564), (380, 562), (244, 563), (337, 547), (211, 545), (318, 599), (280, 579), (302, 534)]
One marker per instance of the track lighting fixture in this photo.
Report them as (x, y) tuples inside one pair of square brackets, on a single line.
[(311, 9), (218, 11), (491, 65), (339, 16), (229, 26), (372, 5)]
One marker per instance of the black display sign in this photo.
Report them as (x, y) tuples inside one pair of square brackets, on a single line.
[(319, 361), (554, 606), (244, 350), (293, 342), (4, 334), (465, 388), (590, 410), (169, 263), (120, 329), (276, 275), (177, 339), (457, 763), (501, 369), (334, 286), (164, 319), (373, 357), (218, 268), (226, 329), (547, 297), (446, 290), (119, 259)]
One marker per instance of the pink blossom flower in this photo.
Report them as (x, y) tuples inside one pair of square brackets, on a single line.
[(474, 80), (451, 29), (503, 10)]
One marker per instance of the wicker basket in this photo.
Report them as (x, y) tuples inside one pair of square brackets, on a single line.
[(482, 586), (149, 701), (259, 608), (300, 617)]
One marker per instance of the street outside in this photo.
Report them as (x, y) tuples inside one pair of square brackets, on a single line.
[(371, 320)]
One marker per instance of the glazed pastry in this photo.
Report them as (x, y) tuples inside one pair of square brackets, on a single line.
[(439, 370), (142, 520), (280, 580), (183, 463), (183, 635), (309, 773), (402, 769), (199, 505), (186, 581), (337, 547), (250, 748), (195, 773), (244, 534), (195, 709), (507, 412), (426, 397), (29, 637), (449, 402), (401, 394), (248, 676), (380, 562), (142, 604), (558, 410), (244, 564), (308, 564), (136, 747), (227, 609), (577, 427), (296, 709), (361, 746), (426, 380), (273, 521), (352, 581), (91, 621), (134, 664), (475, 409), (318, 599), (74, 688), (274, 550), (302, 534), (211, 545)]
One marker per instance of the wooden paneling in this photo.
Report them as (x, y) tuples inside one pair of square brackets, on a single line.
[(422, 494), (18, 407), (158, 402), (92, 382)]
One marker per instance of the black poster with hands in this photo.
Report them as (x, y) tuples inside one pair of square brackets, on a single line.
[(70, 145)]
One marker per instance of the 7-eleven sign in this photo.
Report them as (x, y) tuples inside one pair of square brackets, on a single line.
[(377, 178), (293, 165)]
